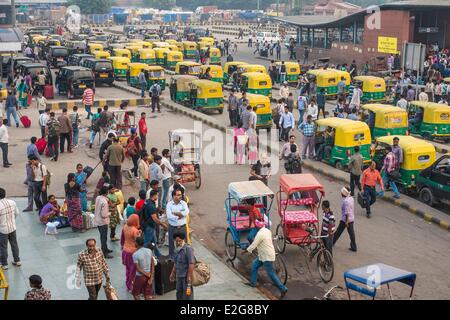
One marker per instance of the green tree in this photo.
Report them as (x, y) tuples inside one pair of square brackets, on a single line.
[(92, 6), (160, 4)]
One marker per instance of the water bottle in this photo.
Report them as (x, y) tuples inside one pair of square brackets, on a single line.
[(188, 291)]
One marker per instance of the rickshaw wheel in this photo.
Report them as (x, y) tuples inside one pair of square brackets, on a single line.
[(280, 240), (313, 246), (280, 269), (325, 265), (339, 165), (426, 196), (220, 111), (230, 246), (198, 178)]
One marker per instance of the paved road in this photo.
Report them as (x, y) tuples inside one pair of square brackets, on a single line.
[(392, 236)]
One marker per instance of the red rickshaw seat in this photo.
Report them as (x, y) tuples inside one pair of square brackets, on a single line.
[(294, 217), (297, 202)]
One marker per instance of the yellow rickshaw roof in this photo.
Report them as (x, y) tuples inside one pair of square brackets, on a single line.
[(183, 81), (121, 50), (288, 63), (254, 66), (207, 83), (344, 124), (120, 59), (146, 50), (159, 49), (184, 77), (323, 73), (211, 66), (382, 108), (256, 75), (154, 68), (175, 53), (431, 106), (93, 44), (234, 63), (257, 98), (447, 79), (408, 143), (135, 65), (369, 78), (188, 63)]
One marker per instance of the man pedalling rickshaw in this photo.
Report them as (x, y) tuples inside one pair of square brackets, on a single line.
[(299, 200), (242, 195), (185, 147)]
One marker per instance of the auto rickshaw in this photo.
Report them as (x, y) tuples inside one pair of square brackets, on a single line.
[(418, 155), (120, 65), (118, 52), (347, 135), (102, 54), (256, 82), (189, 49), (214, 55), (147, 56), (134, 52), (208, 41), (179, 87), (206, 95), (156, 73), (145, 44), (171, 41), (159, 53), (152, 72), (215, 72), (176, 43), (385, 119), (432, 183), (171, 58), (345, 74), (430, 120), (173, 47), (134, 44), (160, 44), (373, 88), (252, 68), (188, 67), (95, 47), (264, 111), (325, 79), (292, 72), (229, 68)]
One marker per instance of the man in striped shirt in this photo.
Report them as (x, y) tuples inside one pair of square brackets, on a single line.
[(88, 100), (8, 213), (328, 226)]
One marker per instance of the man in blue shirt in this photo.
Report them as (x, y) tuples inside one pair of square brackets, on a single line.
[(302, 102), (307, 128), (183, 268), (321, 100), (32, 149), (10, 106), (176, 211), (287, 122), (150, 220)]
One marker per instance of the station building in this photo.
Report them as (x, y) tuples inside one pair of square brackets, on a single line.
[(372, 32)]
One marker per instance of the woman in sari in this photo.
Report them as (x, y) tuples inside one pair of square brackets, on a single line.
[(114, 219), (130, 233), (72, 190), (50, 211), (23, 94), (80, 179)]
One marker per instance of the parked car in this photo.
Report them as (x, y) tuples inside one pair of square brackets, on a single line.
[(74, 80)]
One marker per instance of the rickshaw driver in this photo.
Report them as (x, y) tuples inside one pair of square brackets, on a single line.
[(327, 145), (253, 214), (416, 120), (178, 150)]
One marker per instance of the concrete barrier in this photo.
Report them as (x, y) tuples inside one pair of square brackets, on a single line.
[(69, 104)]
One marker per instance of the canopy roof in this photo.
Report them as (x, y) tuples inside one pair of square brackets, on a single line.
[(292, 183), (248, 189)]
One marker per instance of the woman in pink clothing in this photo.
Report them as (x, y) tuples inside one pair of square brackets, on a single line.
[(240, 144), (128, 242)]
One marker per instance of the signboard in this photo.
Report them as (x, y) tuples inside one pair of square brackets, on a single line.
[(413, 56), (428, 30), (387, 45), (5, 2)]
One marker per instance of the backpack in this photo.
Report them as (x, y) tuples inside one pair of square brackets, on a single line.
[(54, 128), (155, 91), (48, 176), (201, 273), (75, 124)]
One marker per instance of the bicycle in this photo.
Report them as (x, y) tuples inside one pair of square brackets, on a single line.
[(324, 258), (327, 294)]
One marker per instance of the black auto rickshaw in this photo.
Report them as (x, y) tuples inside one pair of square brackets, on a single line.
[(74, 80), (57, 57), (76, 59), (102, 68)]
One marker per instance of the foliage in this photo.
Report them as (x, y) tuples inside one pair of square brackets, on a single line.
[(92, 6)]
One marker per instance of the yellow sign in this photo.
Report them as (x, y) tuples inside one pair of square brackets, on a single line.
[(387, 45)]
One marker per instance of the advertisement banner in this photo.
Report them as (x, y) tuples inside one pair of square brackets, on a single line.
[(387, 45)]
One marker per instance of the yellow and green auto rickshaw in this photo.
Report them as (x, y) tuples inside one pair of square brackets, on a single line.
[(256, 82), (343, 74), (171, 41), (101, 54), (264, 111), (251, 68), (160, 44), (171, 58), (373, 88), (134, 52), (418, 155), (345, 135), (95, 47), (120, 66), (173, 47), (134, 44), (179, 87), (121, 52), (188, 67), (146, 44), (134, 69), (147, 56), (207, 41), (385, 119), (215, 73), (430, 120), (156, 73), (292, 72), (189, 49), (206, 95), (153, 73), (229, 69), (325, 79), (214, 55), (159, 53)]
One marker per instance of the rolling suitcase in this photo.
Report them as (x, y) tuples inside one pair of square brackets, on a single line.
[(29, 99), (41, 144), (48, 91), (26, 122), (362, 200), (162, 275)]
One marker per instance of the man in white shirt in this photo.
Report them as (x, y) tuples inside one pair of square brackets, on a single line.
[(4, 140), (167, 171), (176, 211), (284, 91), (402, 103), (356, 98), (43, 120), (143, 171), (266, 257), (423, 96), (8, 213), (313, 110), (102, 220), (39, 172)]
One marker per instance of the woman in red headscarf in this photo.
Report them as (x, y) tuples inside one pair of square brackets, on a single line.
[(128, 242)]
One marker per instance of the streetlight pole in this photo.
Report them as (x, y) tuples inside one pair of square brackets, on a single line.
[(13, 13), (278, 4), (257, 5)]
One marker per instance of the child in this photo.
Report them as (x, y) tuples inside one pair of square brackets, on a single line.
[(253, 214), (130, 209), (328, 226), (101, 182)]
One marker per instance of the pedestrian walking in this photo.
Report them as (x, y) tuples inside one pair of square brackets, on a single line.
[(53, 132), (305, 55), (143, 130), (176, 211), (114, 219), (37, 292), (134, 148), (130, 233), (88, 100), (282, 71), (302, 104), (156, 174), (40, 183), (144, 263), (75, 123), (284, 90), (347, 219), (142, 82), (92, 262), (355, 166), (390, 172), (143, 171), (321, 101), (65, 132), (263, 242), (167, 172), (278, 48), (313, 109), (81, 179), (183, 268), (287, 122), (43, 120), (115, 156), (328, 226), (307, 129), (41, 103), (95, 128), (11, 106), (155, 91), (102, 219), (370, 177), (29, 183), (150, 221), (4, 141), (8, 214)]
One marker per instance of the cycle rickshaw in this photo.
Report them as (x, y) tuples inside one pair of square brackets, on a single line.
[(185, 147), (298, 200), (238, 219)]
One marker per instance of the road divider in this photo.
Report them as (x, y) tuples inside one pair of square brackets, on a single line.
[(69, 104)]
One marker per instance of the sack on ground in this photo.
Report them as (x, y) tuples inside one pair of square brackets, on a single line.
[(88, 220), (201, 274), (51, 228), (110, 292)]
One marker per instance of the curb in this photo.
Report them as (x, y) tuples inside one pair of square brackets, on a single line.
[(58, 105), (421, 214)]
